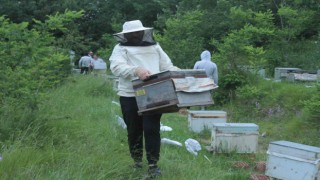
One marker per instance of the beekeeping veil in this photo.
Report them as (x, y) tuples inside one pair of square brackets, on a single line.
[(135, 26)]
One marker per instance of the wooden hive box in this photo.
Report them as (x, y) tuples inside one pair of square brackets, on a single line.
[(234, 137), (199, 120), (288, 160), (159, 93)]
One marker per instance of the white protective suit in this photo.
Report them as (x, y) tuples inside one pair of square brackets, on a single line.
[(209, 66), (124, 60)]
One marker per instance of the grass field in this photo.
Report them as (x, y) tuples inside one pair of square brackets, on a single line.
[(77, 137)]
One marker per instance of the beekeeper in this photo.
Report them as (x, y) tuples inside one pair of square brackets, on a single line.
[(209, 66), (138, 55)]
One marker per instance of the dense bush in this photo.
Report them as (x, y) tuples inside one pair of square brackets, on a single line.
[(312, 107), (267, 99), (229, 82), (30, 66)]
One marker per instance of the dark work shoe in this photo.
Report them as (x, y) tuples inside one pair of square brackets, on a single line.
[(154, 171), (137, 165)]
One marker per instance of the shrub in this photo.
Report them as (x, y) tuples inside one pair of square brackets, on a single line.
[(30, 66), (312, 107)]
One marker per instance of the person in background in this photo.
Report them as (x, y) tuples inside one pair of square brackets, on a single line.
[(138, 56), (90, 54), (209, 66), (99, 66), (85, 63)]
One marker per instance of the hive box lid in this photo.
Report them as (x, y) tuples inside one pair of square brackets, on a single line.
[(294, 149), (235, 127), (169, 75), (208, 113)]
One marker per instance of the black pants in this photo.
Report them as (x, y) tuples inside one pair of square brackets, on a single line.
[(84, 70), (137, 126)]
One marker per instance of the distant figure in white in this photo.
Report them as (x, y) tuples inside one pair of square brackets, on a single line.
[(209, 66), (99, 66)]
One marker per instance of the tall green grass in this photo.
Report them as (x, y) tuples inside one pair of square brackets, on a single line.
[(76, 136)]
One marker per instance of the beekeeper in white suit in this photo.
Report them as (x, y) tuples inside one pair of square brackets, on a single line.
[(138, 55), (209, 66)]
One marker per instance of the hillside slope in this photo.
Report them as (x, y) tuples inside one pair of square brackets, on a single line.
[(77, 137)]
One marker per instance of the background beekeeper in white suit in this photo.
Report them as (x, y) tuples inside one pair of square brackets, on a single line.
[(209, 66)]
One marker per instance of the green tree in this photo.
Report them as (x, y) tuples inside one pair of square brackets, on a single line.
[(296, 34), (244, 47), (181, 40), (241, 52)]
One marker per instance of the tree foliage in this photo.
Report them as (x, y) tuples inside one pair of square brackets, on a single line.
[(181, 40)]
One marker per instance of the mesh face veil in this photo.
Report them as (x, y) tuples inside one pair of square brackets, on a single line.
[(147, 39)]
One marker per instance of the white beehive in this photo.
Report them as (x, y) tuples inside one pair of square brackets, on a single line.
[(234, 137), (199, 120), (288, 160), (281, 73)]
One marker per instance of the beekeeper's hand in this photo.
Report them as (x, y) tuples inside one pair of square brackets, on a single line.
[(142, 73)]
